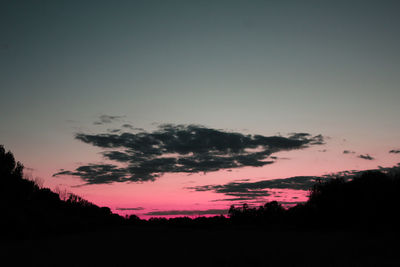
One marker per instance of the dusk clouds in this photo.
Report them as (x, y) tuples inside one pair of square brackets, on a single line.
[(104, 119), (361, 156), (247, 190), (187, 212), (145, 156), (366, 157), (253, 190)]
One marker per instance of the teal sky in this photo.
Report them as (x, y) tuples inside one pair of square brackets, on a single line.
[(257, 67)]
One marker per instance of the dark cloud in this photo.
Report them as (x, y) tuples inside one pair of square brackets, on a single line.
[(316, 140), (395, 151), (131, 127), (247, 194), (348, 152), (113, 130), (104, 119), (181, 149), (187, 212), (98, 173), (127, 125), (250, 191), (244, 199), (367, 157), (254, 190), (124, 209)]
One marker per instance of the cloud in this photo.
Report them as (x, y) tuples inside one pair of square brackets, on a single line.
[(113, 130), (257, 191), (98, 173), (254, 190), (124, 209), (251, 191), (104, 119), (181, 149), (395, 151), (366, 157), (127, 125), (131, 127), (187, 212)]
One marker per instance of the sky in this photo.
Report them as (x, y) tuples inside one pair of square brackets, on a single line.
[(166, 108)]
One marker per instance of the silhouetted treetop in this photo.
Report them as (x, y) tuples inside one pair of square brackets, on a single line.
[(27, 208), (9, 168), (369, 200)]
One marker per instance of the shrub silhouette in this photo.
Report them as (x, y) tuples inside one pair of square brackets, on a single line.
[(368, 201), (9, 169), (28, 209), (271, 213)]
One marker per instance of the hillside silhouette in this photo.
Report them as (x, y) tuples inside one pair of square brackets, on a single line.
[(368, 201), (344, 223), (27, 209)]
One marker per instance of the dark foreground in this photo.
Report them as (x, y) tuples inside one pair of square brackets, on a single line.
[(232, 246), (345, 222)]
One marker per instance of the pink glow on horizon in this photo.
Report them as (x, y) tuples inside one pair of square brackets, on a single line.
[(170, 192)]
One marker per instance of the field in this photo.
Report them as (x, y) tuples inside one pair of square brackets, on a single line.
[(229, 246)]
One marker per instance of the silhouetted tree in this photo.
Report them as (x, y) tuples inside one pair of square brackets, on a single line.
[(9, 169), (26, 208), (369, 200)]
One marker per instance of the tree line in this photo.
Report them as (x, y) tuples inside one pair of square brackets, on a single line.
[(369, 201)]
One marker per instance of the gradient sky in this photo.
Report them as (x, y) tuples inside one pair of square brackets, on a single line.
[(252, 67)]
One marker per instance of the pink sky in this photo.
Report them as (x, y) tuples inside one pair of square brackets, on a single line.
[(170, 192), (258, 68)]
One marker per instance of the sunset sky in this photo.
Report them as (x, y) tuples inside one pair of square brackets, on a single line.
[(165, 108)]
